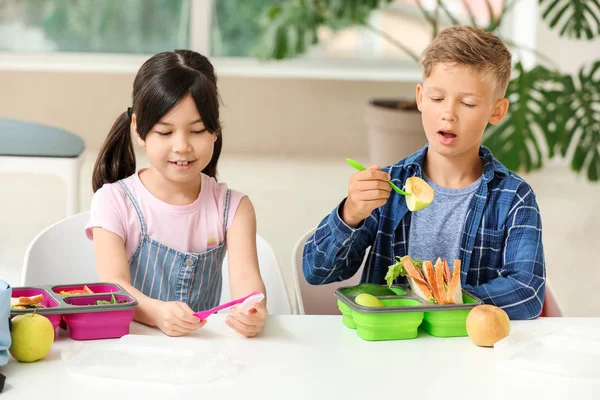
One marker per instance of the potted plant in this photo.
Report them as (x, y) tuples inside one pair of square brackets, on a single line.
[(551, 113)]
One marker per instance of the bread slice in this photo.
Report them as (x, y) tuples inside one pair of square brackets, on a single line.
[(439, 282), (26, 300), (447, 273), (429, 273), (417, 283), (454, 295)]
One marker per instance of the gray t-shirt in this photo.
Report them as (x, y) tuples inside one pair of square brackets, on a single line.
[(436, 231)]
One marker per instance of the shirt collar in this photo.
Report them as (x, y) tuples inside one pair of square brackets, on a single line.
[(491, 166)]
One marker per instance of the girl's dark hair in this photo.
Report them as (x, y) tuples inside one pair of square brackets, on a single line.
[(162, 81)]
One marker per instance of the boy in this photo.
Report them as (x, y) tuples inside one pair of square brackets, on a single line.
[(482, 213)]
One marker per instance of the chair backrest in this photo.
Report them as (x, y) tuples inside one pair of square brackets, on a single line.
[(316, 299), (60, 254), (550, 307), (277, 295)]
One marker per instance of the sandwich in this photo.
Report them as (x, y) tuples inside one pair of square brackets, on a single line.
[(27, 302), (434, 283)]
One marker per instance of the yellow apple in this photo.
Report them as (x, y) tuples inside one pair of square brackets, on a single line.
[(32, 336), (487, 324)]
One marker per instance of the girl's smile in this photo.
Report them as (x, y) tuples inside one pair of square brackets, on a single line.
[(182, 164)]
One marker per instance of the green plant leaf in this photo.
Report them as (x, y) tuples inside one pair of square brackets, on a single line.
[(578, 18), (527, 133), (550, 113), (582, 128), (594, 168), (289, 29)]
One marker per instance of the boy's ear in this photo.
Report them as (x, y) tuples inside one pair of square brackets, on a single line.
[(135, 131), (499, 111), (419, 95)]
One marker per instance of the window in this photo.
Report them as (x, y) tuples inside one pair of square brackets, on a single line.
[(107, 26), (235, 29), (235, 26), (226, 30)]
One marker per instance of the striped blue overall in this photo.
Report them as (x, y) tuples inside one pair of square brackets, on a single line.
[(163, 273)]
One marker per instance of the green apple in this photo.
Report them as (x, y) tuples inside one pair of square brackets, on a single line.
[(422, 193), (367, 300), (32, 336)]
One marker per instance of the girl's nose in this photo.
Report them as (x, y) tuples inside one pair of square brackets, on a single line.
[(181, 143)]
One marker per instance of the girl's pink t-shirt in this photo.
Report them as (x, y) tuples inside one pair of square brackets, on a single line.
[(193, 228)]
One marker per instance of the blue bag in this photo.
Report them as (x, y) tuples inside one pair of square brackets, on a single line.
[(5, 292)]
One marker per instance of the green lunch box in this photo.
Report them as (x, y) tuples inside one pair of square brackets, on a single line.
[(403, 314)]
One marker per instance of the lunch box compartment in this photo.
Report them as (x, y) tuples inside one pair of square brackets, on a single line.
[(99, 325), (49, 304), (95, 288), (49, 301), (389, 326), (449, 323), (90, 301)]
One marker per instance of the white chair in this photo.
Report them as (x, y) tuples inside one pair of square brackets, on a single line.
[(316, 299), (60, 254), (277, 296), (35, 148)]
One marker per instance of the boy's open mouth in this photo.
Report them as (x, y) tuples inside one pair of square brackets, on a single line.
[(447, 136)]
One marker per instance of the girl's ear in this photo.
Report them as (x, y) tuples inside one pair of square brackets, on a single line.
[(135, 132)]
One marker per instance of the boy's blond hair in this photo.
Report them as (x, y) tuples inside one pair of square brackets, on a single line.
[(473, 47)]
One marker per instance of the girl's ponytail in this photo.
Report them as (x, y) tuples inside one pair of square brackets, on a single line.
[(116, 159)]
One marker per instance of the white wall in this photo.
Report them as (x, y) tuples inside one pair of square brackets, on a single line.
[(568, 54), (260, 115)]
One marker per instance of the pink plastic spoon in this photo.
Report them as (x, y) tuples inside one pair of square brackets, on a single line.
[(204, 314)]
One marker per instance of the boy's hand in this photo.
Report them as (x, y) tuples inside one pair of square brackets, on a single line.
[(248, 325), (175, 318), (368, 190)]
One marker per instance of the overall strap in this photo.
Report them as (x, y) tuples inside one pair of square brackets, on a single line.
[(138, 210), (226, 213)]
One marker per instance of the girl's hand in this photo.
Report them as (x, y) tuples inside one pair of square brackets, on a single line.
[(175, 318), (248, 325)]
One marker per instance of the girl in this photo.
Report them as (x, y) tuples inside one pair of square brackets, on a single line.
[(162, 232)]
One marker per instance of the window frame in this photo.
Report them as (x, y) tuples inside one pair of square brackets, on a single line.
[(200, 39)]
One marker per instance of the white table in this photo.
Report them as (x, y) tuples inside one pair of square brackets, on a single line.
[(316, 357)]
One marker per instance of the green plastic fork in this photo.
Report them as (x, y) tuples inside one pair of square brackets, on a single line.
[(360, 167)]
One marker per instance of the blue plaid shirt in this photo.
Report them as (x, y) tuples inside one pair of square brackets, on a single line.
[(501, 247)]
